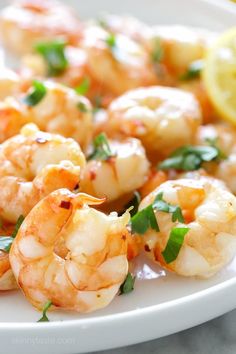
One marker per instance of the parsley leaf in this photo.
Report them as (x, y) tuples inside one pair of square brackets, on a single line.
[(44, 317), (190, 158), (54, 54), (82, 107), (101, 148), (111, 40), (128, 284), (6, 241), (158, 51), (83, 88), (146, 218), (36, 95), (160, 205), (174, 243), (193, 71)]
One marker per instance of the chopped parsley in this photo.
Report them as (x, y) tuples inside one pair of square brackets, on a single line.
[(174, 243), (111, 40), (44, 317), (82, 107), (158, 51), (101, 148), (191, 158), (194, 71), (128, 284), (6, 241), (97, 103), (146, 218), (36, 95), (53, 53), (83, 88)]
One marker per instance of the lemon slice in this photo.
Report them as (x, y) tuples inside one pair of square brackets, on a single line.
[(219, 75)]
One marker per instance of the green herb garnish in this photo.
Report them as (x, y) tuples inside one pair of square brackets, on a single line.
[(44, 317), (158, 51), (160, 205), (146, 218), (6, 241), (174, 243), (83, 88), (111, 40), (194, 71), (54, 54), (97, 103), (128, 284), (190, 158), (36, 95), (101, 148), (82, 107)]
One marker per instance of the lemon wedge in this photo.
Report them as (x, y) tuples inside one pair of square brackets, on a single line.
[(219, 75)]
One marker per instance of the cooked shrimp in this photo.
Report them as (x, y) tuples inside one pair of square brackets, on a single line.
[(7, 279), (209, 210), (60, 111), (26, 22), (90, 274), (225, 138), (74, 75), (180, 45), (125, 171), (127, 25), (33, 164), (116, 62), (162, 118)]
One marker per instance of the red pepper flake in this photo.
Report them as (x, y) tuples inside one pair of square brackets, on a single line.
[(124, 237), (65, 204), (147, 248), (92, 175), (41, 140)]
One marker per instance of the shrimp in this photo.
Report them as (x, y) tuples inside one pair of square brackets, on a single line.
[(60, 111), (7, 279), (116, 62), (209, 210), (26, 22), (33, 164), (224, 136), (88, 277), (179, 47), (126, 25), (126, 170), (162, 118)]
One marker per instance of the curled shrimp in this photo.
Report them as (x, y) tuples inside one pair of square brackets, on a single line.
[(180, 46), (89, 276), (33, 164), (7, 279), (162, 118), (60, 111), (209, 210), (123, 172), (224, 136), (116, 62), (26, 22)]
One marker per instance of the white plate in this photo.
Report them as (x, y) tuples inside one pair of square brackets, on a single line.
[(159, 306)]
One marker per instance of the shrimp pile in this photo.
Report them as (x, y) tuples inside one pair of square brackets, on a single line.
[(109, 148)]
